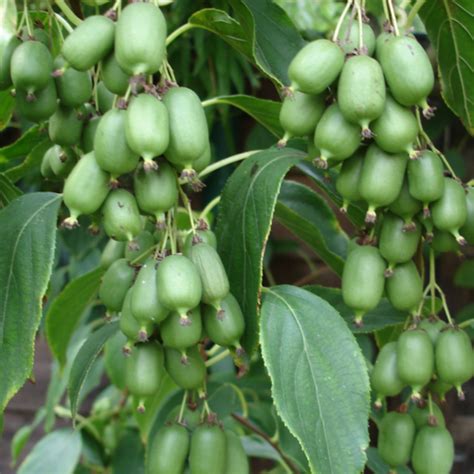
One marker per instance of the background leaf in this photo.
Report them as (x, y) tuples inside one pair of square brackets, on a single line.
[(129, 456), (464, 276), (23, 146), (7, 104), (8, 191)]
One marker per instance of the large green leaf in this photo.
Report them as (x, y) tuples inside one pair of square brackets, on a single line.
[(319, 378), (450, 26), (28, 235), (8, 191), (378, 466), (244, 223), (66, 310), (308, 216)]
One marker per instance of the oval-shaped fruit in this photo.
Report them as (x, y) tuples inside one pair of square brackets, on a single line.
[(405, 287), (347, 181), (316, 66), (467, 230), (348, 37), (7, 48), (42, 108), (115, 283), (188, 371), (137, 251), (31, 67), (191, 416), (421, 414), (406, 206), (444, 242), (206, 236), (204, 159), (380, 43), (113, 76), (90, 42), (74, 87), (168, 450), (140, 39), (65, 127), (105, 98), (147, 128), (180, 336), (130, 326), (179, 284), (88, 134), (381, 178), (189, 134), (361, 91), (85, 175), (335, 137), (61, 161), (433, 326), (440, 388), (396, 436), (110, 144), (121, 217), (236, 458), (113, 250), (208, 450), (363, 280), (45, 168), (433, 451), (415, 359)]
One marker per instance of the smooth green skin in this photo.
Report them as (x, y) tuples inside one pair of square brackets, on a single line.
[(433, 451), (121, 217), (236, 458), (144, 369), (421, 415), (405, 287), (65, 127), (204, 159), (189, 134), (405, 205), (449, 213), (432, 327), (207, 236), (115, 284), (384, 377), (110, 144), (61, 161), (179, 284), (316, 66), (215, 284), (7, 46), (335, 137), (407, 70), (31, 66), (444, 242), (226, 329), (347, 181), (105, 98), (453, 355), (349, 37), (127, 322), (440, 388), (179, 336), (42, 108), (425, 177), (300, 113), (45, 168), (380, 43), (168, 450), (415, 358), (363, 278), (88, 134), (361, 90), (467, 230), (208, 450), (396, 129), (191, 418), (147, 126), (113, 76), (90, 42), (156, 190), (396, 436), (112, 251), (86, 175), (189, 375), (74, 87), (142, 243), (140, 39), (381, 177), (395, 244)]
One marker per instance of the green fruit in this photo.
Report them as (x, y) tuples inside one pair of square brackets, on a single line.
[(421, 415), (114, 286), (189, 134), (31, 67), (7, 48), (61, 161), (347, 181), (105, 98), (88, 134), (188, 371), (363, 280), (433, 327), (335, 137), (444, 242), (236, 458), (433, 451), (168, 450), (179, 284), (140, 39), (440, 388), (85, 175), (147, 128), (74, 87), (361, 92), (415, 359), (206, 236), (113, 250), (395, 131), (316, 66), (143, 242), (130, 326), (204, 159), (208, 450), (405, 287), (113, 76), (449, 213), (227, 326), (349, 37), (45, 168), (382, 40), (406, 206), (190, 419), (180, 336), (467, 230), (65, 127), (396, 435), (110, 144), (121, 217), (407, 70), (42, 108), (381, 179), (90, 42)]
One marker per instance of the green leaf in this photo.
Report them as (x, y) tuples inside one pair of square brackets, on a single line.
[(308, 216), (66, 310), (8, 191), (57, 453), (450, 27), (31, 162), (319, 378), (244, 223), (8, 18), (7, 104), (464, 276), (28, 235), (378, 466), (84, 360), (129, 456), (22, 147), (22, 436)]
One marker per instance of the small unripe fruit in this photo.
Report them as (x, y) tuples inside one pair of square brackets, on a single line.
[(405, 287), (433, 451)]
